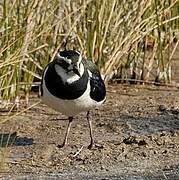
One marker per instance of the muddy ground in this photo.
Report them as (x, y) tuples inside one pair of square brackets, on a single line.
[(136, 132)]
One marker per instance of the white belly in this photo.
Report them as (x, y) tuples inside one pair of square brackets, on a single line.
[(70, 107)]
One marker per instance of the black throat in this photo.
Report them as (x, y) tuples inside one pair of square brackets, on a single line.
[(63, 90)]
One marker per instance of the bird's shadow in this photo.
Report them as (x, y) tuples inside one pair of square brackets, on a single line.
[(12, 139)]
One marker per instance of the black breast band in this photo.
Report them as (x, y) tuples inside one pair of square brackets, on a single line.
[(63, 90)]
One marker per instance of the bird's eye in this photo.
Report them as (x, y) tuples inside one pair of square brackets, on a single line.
[(65, 65)]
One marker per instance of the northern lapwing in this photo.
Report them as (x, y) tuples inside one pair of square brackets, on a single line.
[(72, 84)]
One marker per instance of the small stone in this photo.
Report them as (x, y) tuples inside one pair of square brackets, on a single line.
[(162, 108), (99, 146), (142, 143), (130, 140), (143, 154), (164, 152)]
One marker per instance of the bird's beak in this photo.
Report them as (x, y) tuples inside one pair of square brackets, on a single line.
[(76, 71)]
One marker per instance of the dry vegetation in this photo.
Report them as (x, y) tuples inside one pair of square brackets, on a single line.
[(128, 40)]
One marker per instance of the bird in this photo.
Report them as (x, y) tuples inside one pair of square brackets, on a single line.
[(70, 85)]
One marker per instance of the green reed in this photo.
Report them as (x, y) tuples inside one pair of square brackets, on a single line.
[(126, 39)]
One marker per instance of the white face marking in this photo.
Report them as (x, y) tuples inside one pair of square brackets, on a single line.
[(64, 58), (81, 68), (69, 77), (61, 72)]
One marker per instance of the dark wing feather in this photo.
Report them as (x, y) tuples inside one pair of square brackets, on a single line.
[(98, 90)]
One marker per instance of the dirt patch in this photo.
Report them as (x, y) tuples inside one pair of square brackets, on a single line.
[(137, 132)]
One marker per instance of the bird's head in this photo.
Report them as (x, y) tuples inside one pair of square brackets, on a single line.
[(70, 62)]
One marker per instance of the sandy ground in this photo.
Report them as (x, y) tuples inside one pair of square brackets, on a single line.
[(136, 133)]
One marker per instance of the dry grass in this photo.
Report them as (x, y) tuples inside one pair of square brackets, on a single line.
[(125, 38), (130, 40)]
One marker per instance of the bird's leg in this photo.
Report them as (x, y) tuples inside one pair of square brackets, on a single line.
[(91, 132), (67, 133)]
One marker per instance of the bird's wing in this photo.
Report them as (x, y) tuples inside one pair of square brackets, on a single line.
[(91, 66), (98, 90)]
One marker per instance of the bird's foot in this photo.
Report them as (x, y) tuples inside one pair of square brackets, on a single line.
[(95, 145), (61, 145), (91, 145)]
